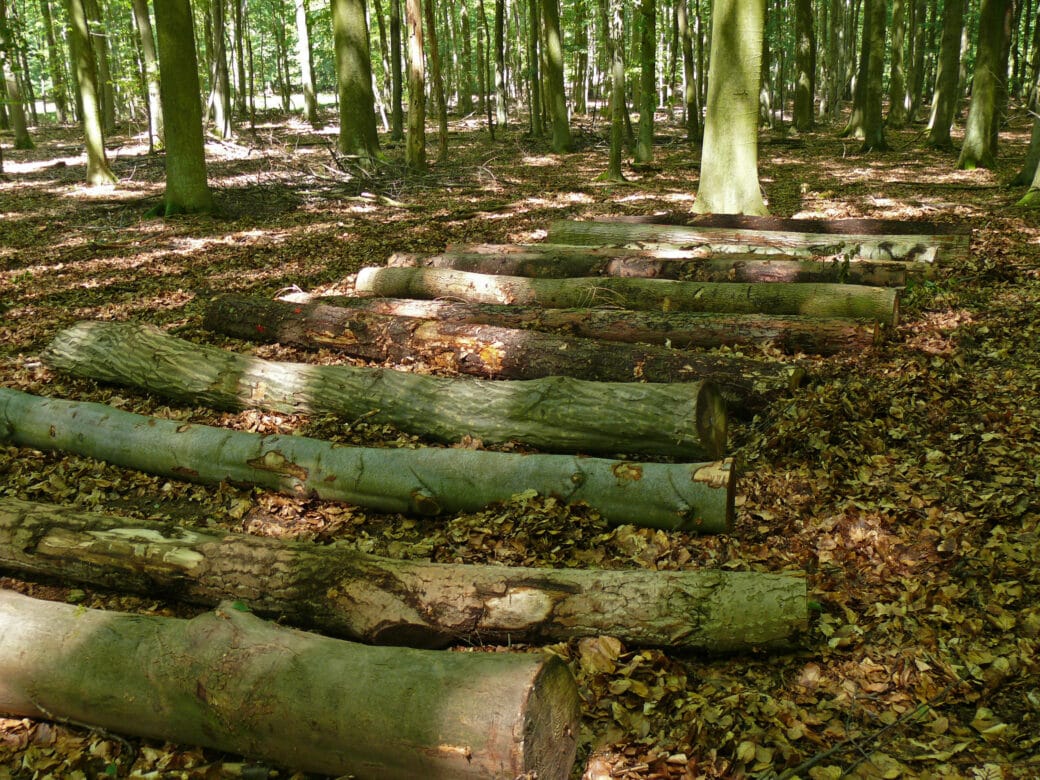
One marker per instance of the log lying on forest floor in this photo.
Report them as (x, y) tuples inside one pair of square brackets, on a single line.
[(340, 591), (696, 497), (869, 239), (231, 681), (556, 413), (548, 261), (494, 352), (842, 301), (791, 334)]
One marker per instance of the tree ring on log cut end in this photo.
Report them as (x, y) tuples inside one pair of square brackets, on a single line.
[(711, 420), (549, 741)]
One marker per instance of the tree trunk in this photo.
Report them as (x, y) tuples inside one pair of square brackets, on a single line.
[(150, 61), (357, 111), (9, 65), (466, 86), (647, 79), (304, 59), (946, 93), (557, 413), (437, 87), (427, 481), (187, 190), (615, 44), (501, 110), (556, 92), (55, 69), (415, 146), (814, 300), (691, 93), (99, 43), (548, 261), (221, 86), (789, 237), (897, 78), (980, 142), (243, 87), (231, 681), (98, 171), (855, 126), (495, 352), (791, 334), (349, 594), (804, 56), (873, 121), (729, 159), (396, 86)]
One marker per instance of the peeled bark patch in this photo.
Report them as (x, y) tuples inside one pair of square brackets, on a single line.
[(340, 591), (555, 413), (231, 681), (696, 497)]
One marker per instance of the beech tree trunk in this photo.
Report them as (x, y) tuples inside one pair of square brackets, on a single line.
[(506, 353), (814, 300), (895, 246), (556, 413), (231, 681), (790, 334), (550, 261), (340, 591), (431, 481)]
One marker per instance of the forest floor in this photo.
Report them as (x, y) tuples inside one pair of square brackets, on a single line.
[(902, 481)]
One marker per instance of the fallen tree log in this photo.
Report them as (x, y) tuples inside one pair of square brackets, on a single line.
[(555, 413), (814, 300), (429, 481), (863, 238), (503, 353), (340, 591), (791, 334), (549, 261), (231, 681)]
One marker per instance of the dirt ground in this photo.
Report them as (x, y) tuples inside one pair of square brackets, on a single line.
[(901, 481)]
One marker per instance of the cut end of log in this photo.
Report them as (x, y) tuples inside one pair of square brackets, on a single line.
[(551, 723), (711, 420)]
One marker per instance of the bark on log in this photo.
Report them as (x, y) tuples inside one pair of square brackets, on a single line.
[(346, 593), (808, 238), (555, 413), (231, 681), (694, 497), (548, 261), (791, 334), (502, 353), (814, 300)]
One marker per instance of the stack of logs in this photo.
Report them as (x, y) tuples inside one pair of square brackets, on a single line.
[(599, 338)]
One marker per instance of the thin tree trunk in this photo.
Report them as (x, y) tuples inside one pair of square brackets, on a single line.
[(231, 681), (648, 72), (501, 110), (8, 69), (397, 79), (946, 94), (57, 72), (533, 56), (98, 171), (150, 61), (556, 93), (691, 92), (415, 146), (304, 61), (873, 94), (466, 87), (99, 43), (242, 91), (437, 88), (221, 85), (805, 44)]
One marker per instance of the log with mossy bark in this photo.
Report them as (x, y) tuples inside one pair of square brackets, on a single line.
[(340, 591), (502, 353), (788, 333), (549, 261), (429, 481), (880, 304), (555, 413), (868, 239), (231, 681)]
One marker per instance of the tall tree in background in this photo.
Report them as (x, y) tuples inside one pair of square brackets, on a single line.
[(54, 64), (98, 172), (433, 47), (241, 43), (305, 61), (535, 81), (647, 80), (980, 130), (99, 43), (357, 107), (729, 158), (501, 108), (9, 64), (804, 45), (220, 85), (897, 114), (466, 87), (396, 86), (615, 44), (556, 92), (150, 65), (691, 94), (873, 123), (415, 146), (944, 97), (187, 191)]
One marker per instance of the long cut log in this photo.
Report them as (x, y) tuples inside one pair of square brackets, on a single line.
[(681, 330), (548, 261), (696, 497), (501, 353), (814, 300), (340, 591), (555, 413), (231, 681), (770, 236)]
